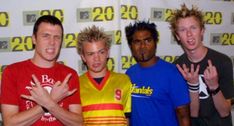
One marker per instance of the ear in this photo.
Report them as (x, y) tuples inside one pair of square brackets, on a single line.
[(177, 37), (83, 58), (108, 53), (202, 31), (34, 39)]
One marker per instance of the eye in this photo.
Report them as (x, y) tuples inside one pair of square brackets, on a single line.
[(181, 29), (148, 40), (45, 35), (57, 37), (136, 42), (194, 27), (102, 51), (89, 54)]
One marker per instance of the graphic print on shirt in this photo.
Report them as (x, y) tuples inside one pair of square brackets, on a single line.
[(118, 94), (203, 93), (141, 91), (47, 83)]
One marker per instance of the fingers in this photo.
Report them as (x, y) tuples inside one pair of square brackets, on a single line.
[(209, 63), (72, 92), (27, 97), (181, 70), (67, 78), (58, 83), (197, 69), (210, 70), (37, 82)]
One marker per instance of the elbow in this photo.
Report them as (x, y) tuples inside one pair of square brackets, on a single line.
[(79, 122), (224, 114), (8, 123)]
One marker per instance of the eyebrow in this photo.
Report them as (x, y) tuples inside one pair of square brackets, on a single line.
[(144, 38), (97, 51)]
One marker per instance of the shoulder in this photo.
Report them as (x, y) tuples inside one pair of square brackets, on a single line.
[(219, 59), (17, 65), (180, 59), (132, 69), (118, 75), (83, 76), (167, 65), (64, 68), (217, 55), (121, 78)]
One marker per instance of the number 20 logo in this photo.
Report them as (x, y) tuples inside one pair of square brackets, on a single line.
[(4, 19), (103, 13)]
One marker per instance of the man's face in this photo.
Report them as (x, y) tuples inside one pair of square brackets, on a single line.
[(95, 55), (189, 33), (47, 42), (143, 46)]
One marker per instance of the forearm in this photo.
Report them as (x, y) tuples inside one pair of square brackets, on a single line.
[(68, 118), (222, 105), (194, 105), (182, 113), (24, 118), (128, 122)]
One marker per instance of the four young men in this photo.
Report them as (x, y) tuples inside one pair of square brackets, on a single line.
[(40, 91)]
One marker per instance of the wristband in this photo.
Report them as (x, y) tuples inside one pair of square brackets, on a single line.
[(193, 87), (213, 92), (193, 84), (44, 109)]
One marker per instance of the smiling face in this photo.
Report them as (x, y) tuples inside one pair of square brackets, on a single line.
[(143, 46), (95, 55), (47, 42), (189, 33)]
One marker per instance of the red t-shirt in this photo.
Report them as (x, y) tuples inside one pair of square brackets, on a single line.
[(18, 76)]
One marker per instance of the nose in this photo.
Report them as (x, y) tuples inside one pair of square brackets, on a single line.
[(52, 41), (189, 32), (96, 57), (142, 44)]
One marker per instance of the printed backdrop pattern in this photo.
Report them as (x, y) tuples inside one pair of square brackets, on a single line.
[(17, 19)]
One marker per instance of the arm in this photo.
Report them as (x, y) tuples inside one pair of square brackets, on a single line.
[(59, 92), (12, 116), (191, 75), (73, 117), (127, 115), (182, 113), (194, 104), (49, 101), (128, 122), (222, 105)]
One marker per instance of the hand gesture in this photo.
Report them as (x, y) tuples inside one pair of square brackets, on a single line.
[(191, 75), (38, 93), (61, 90), (211, 76)]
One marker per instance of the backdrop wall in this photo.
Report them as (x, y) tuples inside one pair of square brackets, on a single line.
[(17, 19)]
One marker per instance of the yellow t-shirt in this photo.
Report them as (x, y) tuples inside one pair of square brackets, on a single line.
[(105, 103)]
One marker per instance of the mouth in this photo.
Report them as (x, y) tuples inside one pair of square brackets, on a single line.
[(96, 65), (142, 56), (191, 41), (50, 50)]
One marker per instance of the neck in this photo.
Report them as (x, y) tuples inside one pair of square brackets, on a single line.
[(98, 74), (149, 63), (197, 55), (42, 63)]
